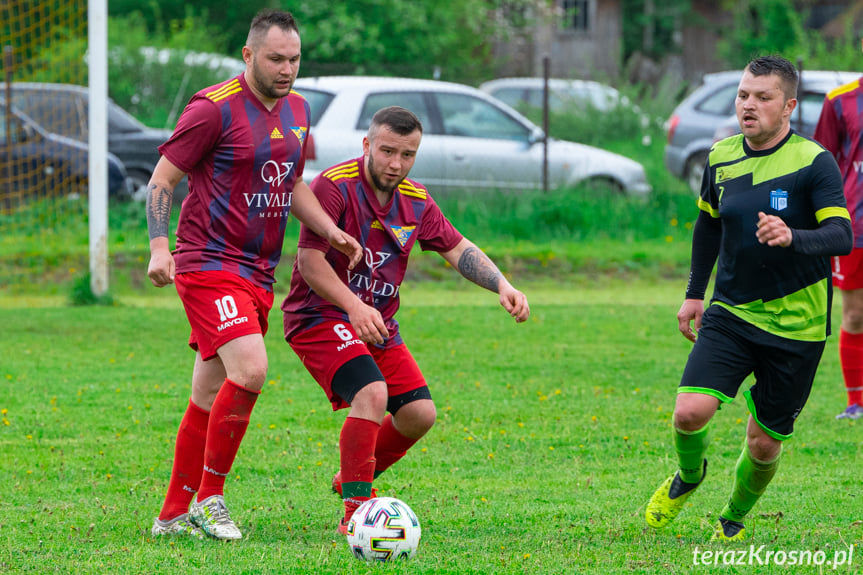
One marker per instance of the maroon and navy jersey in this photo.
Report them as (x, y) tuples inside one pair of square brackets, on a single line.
[(840, 130), (386, 233), (242, 161)]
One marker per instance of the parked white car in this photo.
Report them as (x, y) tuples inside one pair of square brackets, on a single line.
[(471, 141)]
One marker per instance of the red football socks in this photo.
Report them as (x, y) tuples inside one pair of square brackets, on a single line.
[(188, 462), (851, 358), (391, 446), (356, 450), (229, 419)]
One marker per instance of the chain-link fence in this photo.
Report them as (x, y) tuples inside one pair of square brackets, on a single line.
[(43, 167)]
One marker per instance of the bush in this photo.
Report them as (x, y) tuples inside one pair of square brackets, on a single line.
[(156, 91)]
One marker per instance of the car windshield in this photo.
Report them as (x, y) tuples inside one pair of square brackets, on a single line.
[(721, 102), (465, 115), (318, 102), (414, 101), (119, 120)]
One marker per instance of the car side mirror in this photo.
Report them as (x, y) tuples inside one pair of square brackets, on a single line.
[(26, 133), (536, 136)]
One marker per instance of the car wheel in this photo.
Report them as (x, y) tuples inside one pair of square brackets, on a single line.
[(140, 180), (604, 186), (695, 171)]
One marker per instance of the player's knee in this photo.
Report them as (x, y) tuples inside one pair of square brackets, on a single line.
[(763, 447), (416, 419), (371, 399), (251, 376), (414, 413), (852, 321), (690, 418), (693, 411)]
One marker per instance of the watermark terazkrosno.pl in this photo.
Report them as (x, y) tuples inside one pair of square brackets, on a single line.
[(762, 556)]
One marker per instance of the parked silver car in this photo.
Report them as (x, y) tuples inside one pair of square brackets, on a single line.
[(810, 99), (471, 141), (692, 127), (562, 93)]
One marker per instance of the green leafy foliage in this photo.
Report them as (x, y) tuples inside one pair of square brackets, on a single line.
[(82, 293), (760, 27), (148, 74)]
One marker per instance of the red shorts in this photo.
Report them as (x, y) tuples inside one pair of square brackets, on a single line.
[(325, 348), (848, 270), (221, 306)]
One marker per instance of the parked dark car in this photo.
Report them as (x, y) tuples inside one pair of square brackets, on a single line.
[(36, 164), (63, 109)]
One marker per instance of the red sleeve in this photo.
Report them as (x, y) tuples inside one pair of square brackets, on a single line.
[(828, 132), (437, 234), (197, 132), (333, 203)]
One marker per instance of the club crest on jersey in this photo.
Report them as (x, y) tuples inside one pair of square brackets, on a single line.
[(300, 133), (272, 172), (375, 263), (403, 233), (778, 199)]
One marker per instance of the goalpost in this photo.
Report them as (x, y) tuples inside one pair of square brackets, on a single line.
[(97, 60)]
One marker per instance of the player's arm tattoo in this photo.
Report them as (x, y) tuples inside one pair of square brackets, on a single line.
[(158, 211), (478, 268)]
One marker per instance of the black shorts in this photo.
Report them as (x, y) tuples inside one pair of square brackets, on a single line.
[(729, 349)]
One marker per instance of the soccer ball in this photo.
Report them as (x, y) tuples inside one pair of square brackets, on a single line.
[(383, 529)]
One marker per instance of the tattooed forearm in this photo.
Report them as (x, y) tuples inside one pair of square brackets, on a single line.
[(475, 266), (158, 211)]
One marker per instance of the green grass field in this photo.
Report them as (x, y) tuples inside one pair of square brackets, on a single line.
[(551, 435)]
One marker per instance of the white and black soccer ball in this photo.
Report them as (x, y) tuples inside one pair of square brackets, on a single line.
[(384, 529)]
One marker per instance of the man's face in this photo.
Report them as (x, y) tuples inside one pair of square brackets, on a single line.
[(390, 157), (762, 111), (273, 65)]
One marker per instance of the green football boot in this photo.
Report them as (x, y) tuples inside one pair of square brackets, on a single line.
[(667, 501)]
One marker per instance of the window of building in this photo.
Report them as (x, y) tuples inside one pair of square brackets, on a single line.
[(576, 14)]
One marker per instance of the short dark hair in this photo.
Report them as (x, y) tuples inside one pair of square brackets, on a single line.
[(400, 120), (266, 19), (778, 65)]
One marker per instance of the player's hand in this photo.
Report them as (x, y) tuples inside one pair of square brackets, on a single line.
[(368, 323), (773, 231), (162, 268), (345, 243), (690, 312), (515, 303)]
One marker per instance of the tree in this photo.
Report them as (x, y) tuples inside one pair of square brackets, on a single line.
[(760, 27)]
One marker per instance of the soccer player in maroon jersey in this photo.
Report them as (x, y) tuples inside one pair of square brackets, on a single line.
[(340, 322), (840, 130), (242, 143)]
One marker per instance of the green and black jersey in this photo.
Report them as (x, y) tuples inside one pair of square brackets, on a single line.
[(784, 291)]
